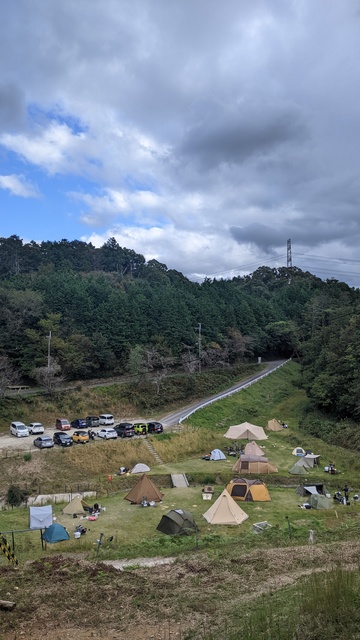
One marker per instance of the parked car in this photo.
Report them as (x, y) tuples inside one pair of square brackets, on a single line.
[(62, 439), (124, 430), (92, 421), (106, 418), (155, 427), (35, 427), (80, 436), (78, 423), (62, 424), (43, 442), (140, 428), (19, 429), (107, 433)]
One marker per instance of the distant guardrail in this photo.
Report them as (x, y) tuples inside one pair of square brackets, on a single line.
[(232, 391)]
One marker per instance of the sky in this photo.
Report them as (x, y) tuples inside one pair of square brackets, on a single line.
[(199, 133)]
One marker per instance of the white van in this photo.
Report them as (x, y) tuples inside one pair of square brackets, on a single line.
[(106, 418), (18, 429)]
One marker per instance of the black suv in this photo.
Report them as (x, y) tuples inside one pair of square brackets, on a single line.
[(92, 421), (63, 439), (124, 430), (154, 427)]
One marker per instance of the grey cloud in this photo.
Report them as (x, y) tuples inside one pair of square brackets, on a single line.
[(12, 108)]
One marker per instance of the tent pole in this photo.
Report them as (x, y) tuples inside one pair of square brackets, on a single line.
[(41, 538), (13, 540)]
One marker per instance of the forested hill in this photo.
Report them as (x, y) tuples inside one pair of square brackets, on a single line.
[(108, 311)]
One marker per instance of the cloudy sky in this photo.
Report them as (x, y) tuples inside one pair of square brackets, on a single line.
[(200, 133)]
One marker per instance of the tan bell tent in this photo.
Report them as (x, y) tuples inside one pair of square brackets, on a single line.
[(144, 488), (274, 425), (254, 464), (225, 511), (74, 508), (246, 431), (248, 490), (253, 449)]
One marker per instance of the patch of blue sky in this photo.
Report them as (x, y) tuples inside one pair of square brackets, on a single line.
[(57, 113), (133, 184)]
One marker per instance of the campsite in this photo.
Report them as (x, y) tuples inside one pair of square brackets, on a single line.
[(129, 531)]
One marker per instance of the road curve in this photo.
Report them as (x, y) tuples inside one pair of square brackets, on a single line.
[(177, 417)]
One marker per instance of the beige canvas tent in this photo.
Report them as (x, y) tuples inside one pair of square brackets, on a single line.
[(253, 449), (274, 425), (144, 489), (298, 451), (247, 490), (74, 507), (246, 431), (225, 511), (254, 464)]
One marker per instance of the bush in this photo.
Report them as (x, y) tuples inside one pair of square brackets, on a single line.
[(27, 457), (16, 496)]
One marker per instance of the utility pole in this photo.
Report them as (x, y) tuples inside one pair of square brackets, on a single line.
[(49, 357), (199, 330)]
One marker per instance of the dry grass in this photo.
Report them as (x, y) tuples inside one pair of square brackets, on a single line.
[(189, 442)]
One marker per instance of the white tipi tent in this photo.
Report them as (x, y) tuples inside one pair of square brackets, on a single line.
[(225, 511)]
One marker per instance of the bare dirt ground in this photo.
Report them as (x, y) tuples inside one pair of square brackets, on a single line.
[(60, 597)]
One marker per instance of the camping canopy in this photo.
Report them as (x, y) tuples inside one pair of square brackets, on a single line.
[(311, 459), (274, 425), (177, 523), (253, 464), (248, 490), (74, 507), (40, 517), (253, 449), (55, 533), (312, 489), (217, 454), (225, 511), (244, 431), (320, 502), (140, 468), (144, 488)]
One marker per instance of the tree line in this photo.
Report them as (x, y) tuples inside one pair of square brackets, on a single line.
[(71, 310)]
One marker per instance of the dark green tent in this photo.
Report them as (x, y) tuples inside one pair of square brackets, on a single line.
[(177, 523), (55, 533)]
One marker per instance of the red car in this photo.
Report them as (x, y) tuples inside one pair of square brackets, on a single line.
[(62, 424)]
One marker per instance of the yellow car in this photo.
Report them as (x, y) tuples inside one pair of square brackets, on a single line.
[(80, 436)]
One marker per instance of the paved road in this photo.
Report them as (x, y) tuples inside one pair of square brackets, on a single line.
[(177, 417)]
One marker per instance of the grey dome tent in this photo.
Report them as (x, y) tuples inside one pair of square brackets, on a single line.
[(55, 533), (177, 523), (320, 502), (217, 454), (298, 470)]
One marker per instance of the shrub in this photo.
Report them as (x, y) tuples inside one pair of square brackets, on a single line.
[(16, 496)]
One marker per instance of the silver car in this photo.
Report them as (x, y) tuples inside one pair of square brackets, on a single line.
[(43, 442)]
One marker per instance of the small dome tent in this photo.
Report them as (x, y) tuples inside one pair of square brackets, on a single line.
[(140, 468), (298, 451), (55, 533), (177, 523), (217, 454)]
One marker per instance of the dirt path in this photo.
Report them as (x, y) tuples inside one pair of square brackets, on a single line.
[(150, 601)]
